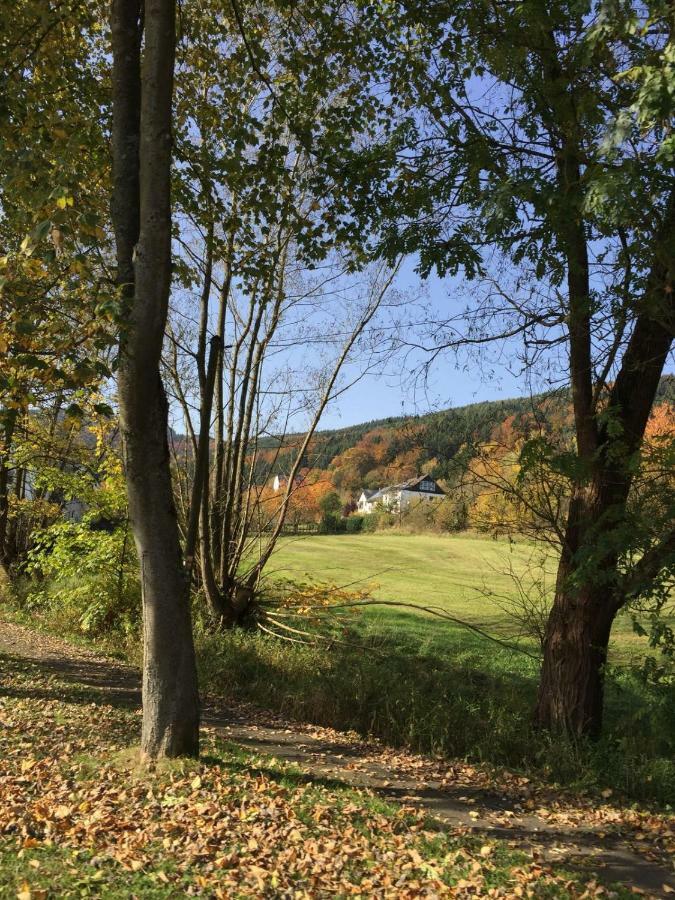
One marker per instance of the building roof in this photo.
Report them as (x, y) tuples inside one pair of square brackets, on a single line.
[(415, 482), (409, 485)]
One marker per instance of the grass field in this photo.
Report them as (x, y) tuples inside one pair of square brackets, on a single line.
[(434, 685), (465, 574), (445, 570)]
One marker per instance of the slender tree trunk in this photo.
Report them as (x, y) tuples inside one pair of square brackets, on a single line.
[(9, 417), (201, 473), (142, 118)]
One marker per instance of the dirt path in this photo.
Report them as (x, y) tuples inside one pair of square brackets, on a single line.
[(619, 845)]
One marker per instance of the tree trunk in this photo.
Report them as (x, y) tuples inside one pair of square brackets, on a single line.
[(571, 689), (571, 686), (170, 700), (142, 212), (589, 590), (9, 418)]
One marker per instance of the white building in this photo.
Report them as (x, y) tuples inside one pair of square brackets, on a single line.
[(398, 497)]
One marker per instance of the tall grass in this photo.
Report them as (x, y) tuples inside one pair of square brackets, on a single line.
[(474, 702), (414, 682)]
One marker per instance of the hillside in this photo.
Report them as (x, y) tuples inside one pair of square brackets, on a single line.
[(385, 450)]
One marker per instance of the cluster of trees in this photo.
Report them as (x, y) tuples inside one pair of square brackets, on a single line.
[(491, 467), (211, 208)]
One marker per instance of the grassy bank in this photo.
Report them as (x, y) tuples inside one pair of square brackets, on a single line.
[(428, 684), (473, 701)]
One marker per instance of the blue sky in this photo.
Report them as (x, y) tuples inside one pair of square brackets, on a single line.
[(452, 380), (378, 396)]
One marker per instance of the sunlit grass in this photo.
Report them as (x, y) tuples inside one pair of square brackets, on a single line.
[(469, 575)]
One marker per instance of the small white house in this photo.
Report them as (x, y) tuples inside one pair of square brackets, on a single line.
[(280, 482), (363, 504), (398, 497)]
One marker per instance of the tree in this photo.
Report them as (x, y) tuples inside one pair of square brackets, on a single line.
[(537, 159), (142, 121), (330, 504), (239, 520), (55, 332), (261, 261)]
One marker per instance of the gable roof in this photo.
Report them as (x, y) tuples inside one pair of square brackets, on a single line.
[(410, 485), (414, 483)]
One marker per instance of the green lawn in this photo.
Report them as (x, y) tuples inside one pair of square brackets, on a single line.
[(431, 684), (445, 570), (465, 574)]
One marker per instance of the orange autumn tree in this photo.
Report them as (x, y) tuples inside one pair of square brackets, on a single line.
[(513, 486)]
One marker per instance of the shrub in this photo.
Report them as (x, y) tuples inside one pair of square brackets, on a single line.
[(453, 514), (332, 523), (354, 524), (421, 516), (369, 522), (85, 577), (378, 520)]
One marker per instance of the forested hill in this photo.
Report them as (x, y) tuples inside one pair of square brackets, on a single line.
[(383, 450)]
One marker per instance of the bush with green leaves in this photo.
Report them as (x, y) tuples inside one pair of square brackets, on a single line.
[(378, 520), (332, 523), (331, 504), (86, 575), (354, 524)]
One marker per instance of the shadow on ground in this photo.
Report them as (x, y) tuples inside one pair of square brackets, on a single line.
[(86, 680)]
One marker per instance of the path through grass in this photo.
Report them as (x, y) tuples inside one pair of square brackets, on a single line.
[(80, 818)]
